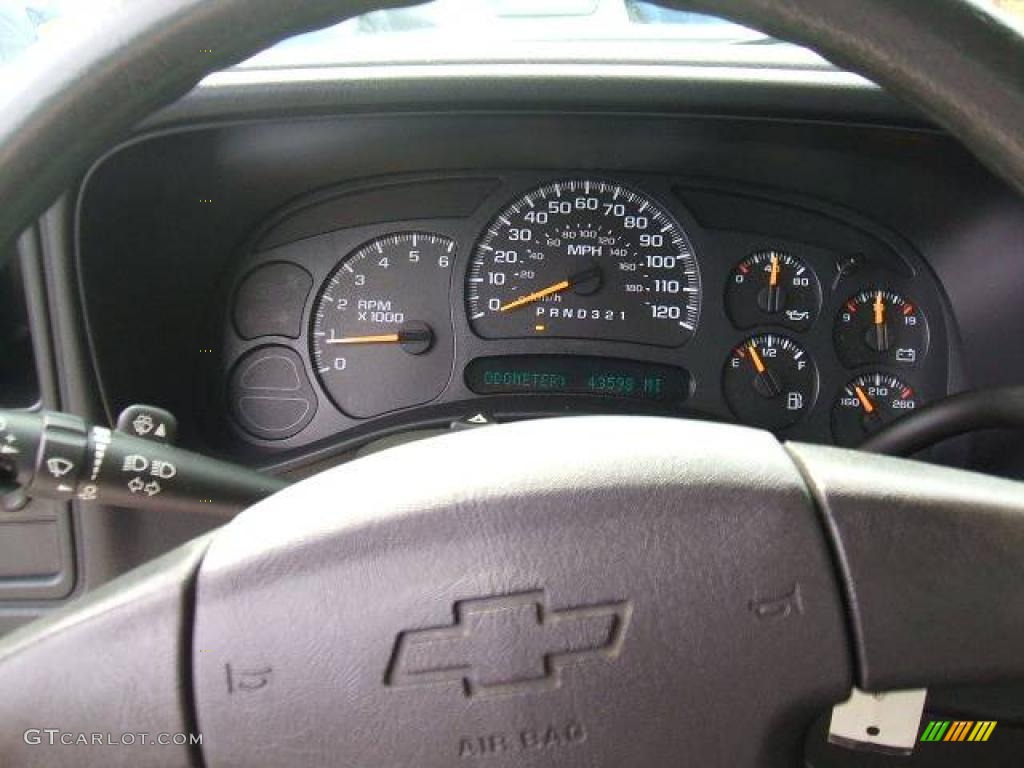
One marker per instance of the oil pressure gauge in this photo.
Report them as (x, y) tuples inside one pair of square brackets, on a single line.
[(881, 327), (773, 287)]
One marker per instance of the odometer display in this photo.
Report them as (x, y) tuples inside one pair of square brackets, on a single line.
[(585, 259), (561, 375)]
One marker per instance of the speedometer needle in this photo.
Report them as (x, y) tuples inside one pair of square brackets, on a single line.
[(563, 285)]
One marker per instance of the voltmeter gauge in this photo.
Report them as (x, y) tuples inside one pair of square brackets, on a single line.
[(868, 403), (881, 327), (773, 287), (770, 381)]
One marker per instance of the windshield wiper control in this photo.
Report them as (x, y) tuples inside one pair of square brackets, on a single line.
[(58, 456)]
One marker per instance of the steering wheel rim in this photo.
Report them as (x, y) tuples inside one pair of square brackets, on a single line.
[(102, 87)]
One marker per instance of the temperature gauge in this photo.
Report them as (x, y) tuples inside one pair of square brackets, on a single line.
[(881, 327), (773, 287), (770, 381), (868, 403)]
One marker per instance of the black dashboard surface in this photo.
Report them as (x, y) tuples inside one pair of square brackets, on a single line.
[(179, 220)]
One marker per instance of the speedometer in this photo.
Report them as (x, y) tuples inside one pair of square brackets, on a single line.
[(585, 259)]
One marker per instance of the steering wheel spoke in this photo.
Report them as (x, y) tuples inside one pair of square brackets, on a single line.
[(932, 562)]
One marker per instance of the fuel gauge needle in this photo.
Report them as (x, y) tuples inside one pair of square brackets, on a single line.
[(755, 357), (770, 387)]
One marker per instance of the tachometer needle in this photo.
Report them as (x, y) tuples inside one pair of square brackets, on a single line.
[(414, 338), (865, 401), (562, 285), (879, 307), (384, 338)]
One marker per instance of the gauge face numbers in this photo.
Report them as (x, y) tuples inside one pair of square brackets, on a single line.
[(773, 287), (381, 327), (585, 259), (868, 403), (770, 381), (881, 327)]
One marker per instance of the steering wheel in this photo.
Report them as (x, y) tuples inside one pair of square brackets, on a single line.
[(589, 591)]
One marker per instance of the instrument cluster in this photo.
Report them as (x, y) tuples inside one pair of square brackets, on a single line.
[(562, 293)]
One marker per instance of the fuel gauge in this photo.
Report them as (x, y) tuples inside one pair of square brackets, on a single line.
[(773, 287), (770, 381)]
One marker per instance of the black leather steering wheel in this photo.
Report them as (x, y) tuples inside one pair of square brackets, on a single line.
[(593, 591)]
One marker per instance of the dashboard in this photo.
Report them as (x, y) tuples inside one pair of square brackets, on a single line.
[(203, 254), (193, 266), (504, 294)]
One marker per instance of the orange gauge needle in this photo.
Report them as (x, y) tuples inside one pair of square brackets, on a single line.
[(384, 338), (586, 275), (773, 276), (869, 407), (755, 357), (879, 307), (881, 335), (765, 383), (535, 296), (415, 339), (773, 296)]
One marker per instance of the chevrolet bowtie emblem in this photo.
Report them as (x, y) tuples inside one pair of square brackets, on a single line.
[(508, 644)]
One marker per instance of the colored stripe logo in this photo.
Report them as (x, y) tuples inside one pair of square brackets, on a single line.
[(958, 730)]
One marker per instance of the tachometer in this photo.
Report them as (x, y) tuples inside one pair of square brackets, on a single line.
[(585, 259), (382, 336)]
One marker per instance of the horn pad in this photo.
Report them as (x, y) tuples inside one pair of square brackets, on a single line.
[(599, 591)]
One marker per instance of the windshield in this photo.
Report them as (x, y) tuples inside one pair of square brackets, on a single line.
[(471, 30), (495, 30)]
